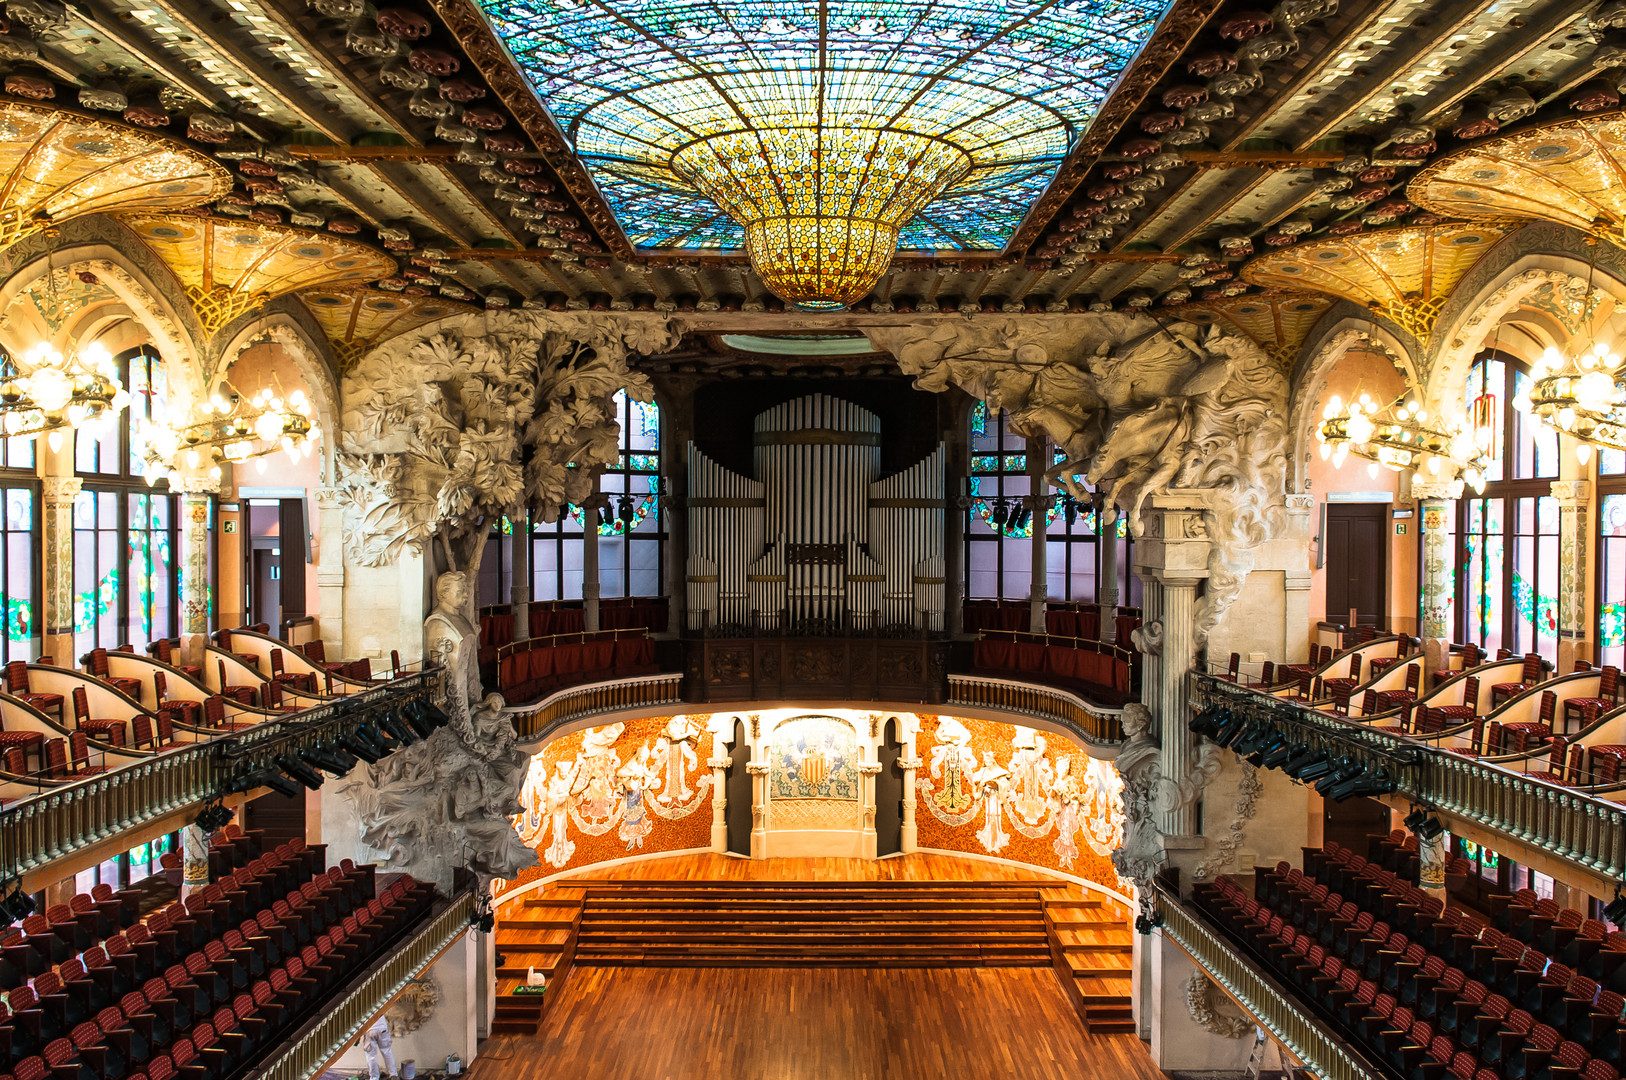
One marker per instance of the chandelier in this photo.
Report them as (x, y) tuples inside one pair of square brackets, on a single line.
[(1582, 395), (1398, 436), (821, 207), (48, 392), (228, 428)]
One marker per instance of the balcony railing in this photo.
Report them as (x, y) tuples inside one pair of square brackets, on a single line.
[(1304, 1037), (1092, 725), (580, 702), (1586, 832), (66, 819), (343, 1020)]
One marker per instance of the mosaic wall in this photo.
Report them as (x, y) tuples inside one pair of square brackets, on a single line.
[(996, 789), (610, 792)]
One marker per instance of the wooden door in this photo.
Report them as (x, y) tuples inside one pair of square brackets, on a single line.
[(265, 598), (737, 812), (889, 794), (1357, 564)]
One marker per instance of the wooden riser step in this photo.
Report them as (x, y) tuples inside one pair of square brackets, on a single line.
[(820, 926), (818, 886), (702, 942), (815, 962), (927, 906)]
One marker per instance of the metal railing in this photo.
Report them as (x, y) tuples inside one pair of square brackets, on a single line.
[(1093, 725), (69, 818), (1586, 832), (594, 699), (344, 1019), (1304, 1036)]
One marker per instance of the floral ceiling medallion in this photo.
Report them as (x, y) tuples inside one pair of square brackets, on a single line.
[(1278, 322), (356, 319), (1570, 171), (230, 267), (58, 165), (1404, 274)]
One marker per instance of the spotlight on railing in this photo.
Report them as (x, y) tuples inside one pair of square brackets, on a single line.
[(332, 759), (1422, 824), (357, 743), (258, 778), (212, 817), (17, 905), (296, 769)]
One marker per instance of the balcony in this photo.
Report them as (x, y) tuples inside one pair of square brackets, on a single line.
[(1489, 800)]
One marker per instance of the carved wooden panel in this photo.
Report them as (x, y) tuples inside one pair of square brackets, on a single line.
[(815, 669)]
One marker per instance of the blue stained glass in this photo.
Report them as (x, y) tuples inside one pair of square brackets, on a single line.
[(1012, 83), (979, 420)]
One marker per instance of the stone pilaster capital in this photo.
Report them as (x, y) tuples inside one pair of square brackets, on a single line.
[(60, 489), (1436, 490), (329, 498), (908, 764), (757, 769), (717, 763), (1572, 490), (869, 768)]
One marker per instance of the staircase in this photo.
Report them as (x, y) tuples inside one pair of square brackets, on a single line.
[(538, 930), (1091, 943), (773, 924)]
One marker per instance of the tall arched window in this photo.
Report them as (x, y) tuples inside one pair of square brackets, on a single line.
[(1507, 539), (1612, 558), (126, 533), (998, 545)]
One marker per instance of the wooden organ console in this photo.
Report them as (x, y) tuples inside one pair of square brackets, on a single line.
[(818, 543)]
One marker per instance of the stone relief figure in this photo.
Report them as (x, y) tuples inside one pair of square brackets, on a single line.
[(1138, 408), (1142, 852)]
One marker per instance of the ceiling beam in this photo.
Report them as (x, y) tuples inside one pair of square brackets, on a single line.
[(107, 24)]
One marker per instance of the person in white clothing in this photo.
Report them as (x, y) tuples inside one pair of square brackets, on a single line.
[(375, 1043)]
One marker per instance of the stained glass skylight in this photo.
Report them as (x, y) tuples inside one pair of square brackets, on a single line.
[(1010, 83)]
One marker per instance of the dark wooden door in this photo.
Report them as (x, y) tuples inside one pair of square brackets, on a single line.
[(1350, 822), (889, 794), (1357, 545), (737, 814), (265, 598)]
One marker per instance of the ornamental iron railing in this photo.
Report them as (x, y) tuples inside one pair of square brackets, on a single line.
[(1584, 831), (1303, 1035), (65, 819)]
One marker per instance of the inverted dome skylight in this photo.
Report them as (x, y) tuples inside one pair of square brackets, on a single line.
[(646, 89)]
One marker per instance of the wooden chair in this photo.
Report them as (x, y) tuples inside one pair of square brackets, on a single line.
[(166, 653), (79, 755), (112, 731), (1608, 697), (184, 712), (17, 686), (22, 742), (1529, 675), (243, 694), (1390, 699), (96, 665)]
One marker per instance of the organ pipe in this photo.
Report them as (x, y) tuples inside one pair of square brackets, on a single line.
[(817, 542)]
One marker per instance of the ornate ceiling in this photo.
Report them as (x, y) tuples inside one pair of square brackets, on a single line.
[(1232, 131)]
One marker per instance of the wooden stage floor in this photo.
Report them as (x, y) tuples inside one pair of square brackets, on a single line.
[(632, 1023)]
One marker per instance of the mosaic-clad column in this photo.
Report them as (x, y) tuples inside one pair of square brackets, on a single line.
[(59, 495), (719, 803), (194, 860), (196, 591), (1574, 619), (1435, 501), (1431, 865), (330, 571)]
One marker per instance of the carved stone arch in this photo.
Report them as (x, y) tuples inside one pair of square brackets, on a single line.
[(306, 348), (1343, 328), (1537, 255)]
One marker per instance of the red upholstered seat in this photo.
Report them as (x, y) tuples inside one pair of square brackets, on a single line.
[(112, 731), (17, 686), (1608, 693), (1528, 676)]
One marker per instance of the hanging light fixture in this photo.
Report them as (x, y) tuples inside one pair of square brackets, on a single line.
[(1399, 436), (47, 392), (225, 427), (1581, 393)]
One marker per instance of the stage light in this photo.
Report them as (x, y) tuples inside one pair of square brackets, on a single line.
[(212, 817), (1281, 754), (259, 778), (1319, 766), (1206, 722), (1422, 824), (433, 713), (416, 720), (335, 762), (17, 905), (1615, 910), (1303, 759), (379, 738), (399, 729), (361, 747), (1345, 769), (1365, 785), (298, 770)]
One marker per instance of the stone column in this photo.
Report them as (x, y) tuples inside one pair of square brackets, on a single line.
[(57, 541), (909, 842), (519, 562), (1575, 621), (1172, 559), (194, 860), (868, 845), (1434, 499), (759, 807), (1106, 585), (330, 571), (1038, 449), (590, 585), (719, 803)]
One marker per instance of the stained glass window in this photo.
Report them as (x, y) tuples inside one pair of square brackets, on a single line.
[(150, 587), (998, 548), (1507, 592), (98, 571), (630, 82), (1612, 580), (18, 572)]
